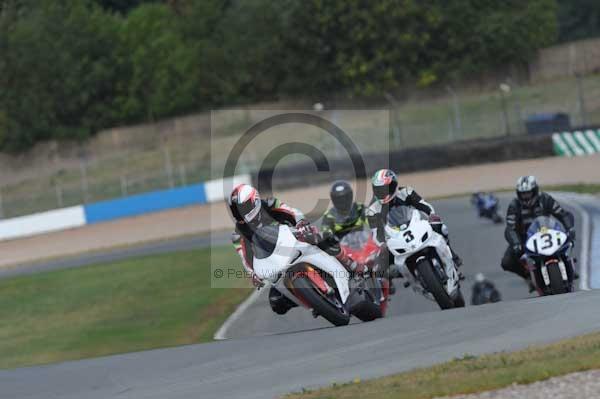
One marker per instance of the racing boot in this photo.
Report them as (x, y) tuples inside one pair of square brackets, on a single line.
[(530, 285), (348, 262), (457, 262), (455, 258), (572, 268), (279, 303)]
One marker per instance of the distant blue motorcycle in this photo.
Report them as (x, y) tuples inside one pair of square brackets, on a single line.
[(487, 206)]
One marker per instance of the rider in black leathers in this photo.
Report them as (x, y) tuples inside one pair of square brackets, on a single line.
[(529, 204)]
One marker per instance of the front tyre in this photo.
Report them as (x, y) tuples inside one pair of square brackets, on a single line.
[(497, 218), (459, 301), (304, 287), (433, 284), (557, 284)]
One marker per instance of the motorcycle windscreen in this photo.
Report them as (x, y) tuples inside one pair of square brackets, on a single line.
[(542, 223), (265, 241), (356, 239), (400, 217)]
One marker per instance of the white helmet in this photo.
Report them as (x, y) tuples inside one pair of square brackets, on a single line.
[(244, 204), (527, 190)]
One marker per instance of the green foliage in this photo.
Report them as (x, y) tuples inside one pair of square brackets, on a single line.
[(374, 46), (58, 76), (578, 19), (70, 68), (477, 35), (158, 69), (122, 6)]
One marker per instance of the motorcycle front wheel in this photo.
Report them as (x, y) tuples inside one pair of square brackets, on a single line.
[(321, 305), (433, 284), (497, 218), (557, 284)]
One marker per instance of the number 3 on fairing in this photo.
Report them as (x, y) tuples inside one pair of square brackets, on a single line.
[(408, 236)]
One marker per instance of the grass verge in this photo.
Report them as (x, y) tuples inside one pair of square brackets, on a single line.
[(124, 306), (580, 188), (472, 374)]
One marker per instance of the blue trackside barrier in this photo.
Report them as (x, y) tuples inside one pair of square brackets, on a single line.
[(155, 201), (145, 203)]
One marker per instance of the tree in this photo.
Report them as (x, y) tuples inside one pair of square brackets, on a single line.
[(158, 66), (53, 85), (122, 6), (578, 19)]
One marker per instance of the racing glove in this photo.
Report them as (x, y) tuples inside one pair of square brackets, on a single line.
[(433, 218), (307, 232), (517, 249)]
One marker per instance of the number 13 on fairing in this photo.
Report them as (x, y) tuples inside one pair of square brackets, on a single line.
[(546, 243)]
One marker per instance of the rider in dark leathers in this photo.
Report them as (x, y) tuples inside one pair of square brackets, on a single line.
[(529, 204), (346, 215), (484, 291)]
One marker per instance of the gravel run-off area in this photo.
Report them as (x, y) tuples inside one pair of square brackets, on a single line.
[(577, 385)]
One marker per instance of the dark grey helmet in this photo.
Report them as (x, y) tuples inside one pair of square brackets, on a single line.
[(342, 196)]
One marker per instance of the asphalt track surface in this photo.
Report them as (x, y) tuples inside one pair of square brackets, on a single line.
[(273, 355)]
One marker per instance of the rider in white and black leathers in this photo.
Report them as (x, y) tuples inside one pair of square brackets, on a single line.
[(529, 204), (251, 212), (386, 195)]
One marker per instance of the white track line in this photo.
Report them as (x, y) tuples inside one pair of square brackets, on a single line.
[(584, 277), (221, 333)]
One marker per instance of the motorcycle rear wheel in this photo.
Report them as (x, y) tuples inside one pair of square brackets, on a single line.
[(432, 283), (319, 304)]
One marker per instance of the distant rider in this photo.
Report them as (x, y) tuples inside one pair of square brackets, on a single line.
[(478, 199), (251, 212), (388, 195), (530, 204), (346, 215), (484, 291)]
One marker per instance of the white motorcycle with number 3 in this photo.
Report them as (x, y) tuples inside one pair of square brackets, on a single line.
[(423, 257), (302, 272)]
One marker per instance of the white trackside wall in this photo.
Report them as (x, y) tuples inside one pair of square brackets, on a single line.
[(218, 190), (116, 208), (43, 222)]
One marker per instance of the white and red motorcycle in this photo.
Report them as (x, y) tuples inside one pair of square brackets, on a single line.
[(423, 257), (302, 272)]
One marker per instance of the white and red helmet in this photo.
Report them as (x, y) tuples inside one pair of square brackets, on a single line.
[(384, 184), (245, 204)]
